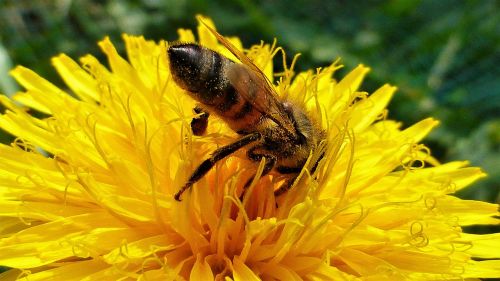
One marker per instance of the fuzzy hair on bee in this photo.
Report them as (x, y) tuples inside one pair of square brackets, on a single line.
[(241, 95)]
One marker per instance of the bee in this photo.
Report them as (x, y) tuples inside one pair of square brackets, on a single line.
[(242, 96)]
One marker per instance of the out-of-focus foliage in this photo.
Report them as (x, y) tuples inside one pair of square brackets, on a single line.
[(443, 55)]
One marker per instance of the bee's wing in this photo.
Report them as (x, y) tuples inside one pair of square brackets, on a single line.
[(268, 104)]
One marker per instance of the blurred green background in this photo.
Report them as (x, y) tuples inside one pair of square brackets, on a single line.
[(443, 55)]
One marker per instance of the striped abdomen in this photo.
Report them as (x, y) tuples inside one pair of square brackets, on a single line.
[(211, 79)]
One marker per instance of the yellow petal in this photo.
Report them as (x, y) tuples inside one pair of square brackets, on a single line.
[(482, 269), (138, 249), (69, 271), (201, 270), (367, 111), (86, 191), (344, 91), (241, 272), (79, 81), (485, 246)]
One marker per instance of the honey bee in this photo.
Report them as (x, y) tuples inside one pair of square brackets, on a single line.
[(242, 96)]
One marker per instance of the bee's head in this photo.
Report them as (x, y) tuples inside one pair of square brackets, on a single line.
[(302, 123)]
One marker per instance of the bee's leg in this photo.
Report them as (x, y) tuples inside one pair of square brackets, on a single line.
[(285, 186), (293, 170), (199, 124), (313, 169), (255, 156), (219, 154), (289, 182), (288, 170)]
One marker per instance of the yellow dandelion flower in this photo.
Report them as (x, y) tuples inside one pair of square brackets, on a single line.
[(86, 191)]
